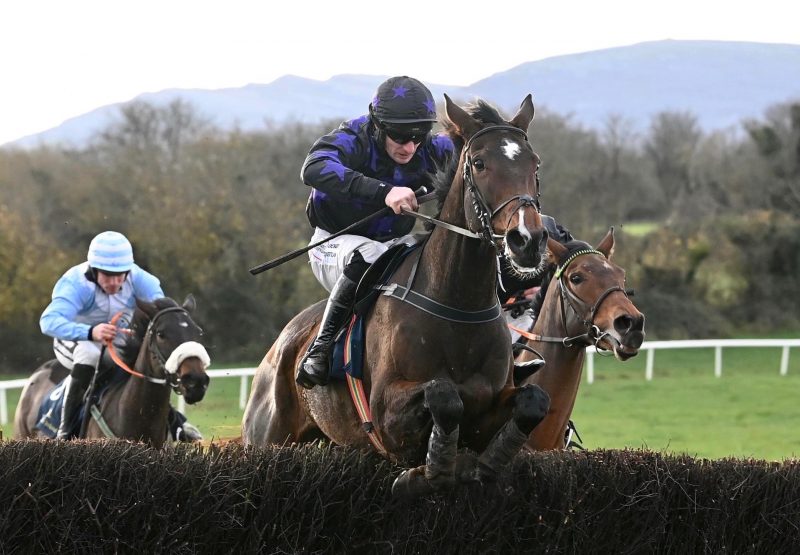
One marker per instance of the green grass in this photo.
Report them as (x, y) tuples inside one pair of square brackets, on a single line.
[(751, 411)]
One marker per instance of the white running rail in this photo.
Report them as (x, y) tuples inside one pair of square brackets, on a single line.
[(244, 374)]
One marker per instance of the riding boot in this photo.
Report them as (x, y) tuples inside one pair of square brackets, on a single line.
[(315, 367), (79, 381)]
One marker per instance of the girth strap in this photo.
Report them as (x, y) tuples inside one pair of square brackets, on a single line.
[(439, 310)]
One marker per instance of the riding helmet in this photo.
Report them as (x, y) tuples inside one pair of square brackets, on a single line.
[(405, 102), (110, 251)]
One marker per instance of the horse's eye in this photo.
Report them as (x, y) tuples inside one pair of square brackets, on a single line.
[(575, 278), (160, 334), (479, 165)]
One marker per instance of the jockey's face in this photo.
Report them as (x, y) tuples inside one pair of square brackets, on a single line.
[(402, 153), (110, 283)]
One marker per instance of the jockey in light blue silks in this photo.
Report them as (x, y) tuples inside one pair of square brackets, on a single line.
[(84, 300)]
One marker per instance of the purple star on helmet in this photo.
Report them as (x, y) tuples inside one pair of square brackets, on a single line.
[(333, 167), (347, 142), (375, 102), (431, 106), (400, 91)]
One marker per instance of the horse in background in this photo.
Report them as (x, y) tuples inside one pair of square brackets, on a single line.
[(438, 377), (166, 355), (585, 304)]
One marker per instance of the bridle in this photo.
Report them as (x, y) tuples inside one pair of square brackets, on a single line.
[(172, 379), (578, 311), (479, 205), (577, 306)]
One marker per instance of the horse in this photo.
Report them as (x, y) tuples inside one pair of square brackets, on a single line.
[(438, 378), (168, 357), (585, 304)]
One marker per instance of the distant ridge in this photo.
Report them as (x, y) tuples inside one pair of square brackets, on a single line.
[(722, 83)]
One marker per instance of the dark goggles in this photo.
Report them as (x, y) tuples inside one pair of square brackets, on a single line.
[(405, 136)]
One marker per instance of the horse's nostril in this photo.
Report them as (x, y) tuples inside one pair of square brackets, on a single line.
[(515, 241), (623, 324)]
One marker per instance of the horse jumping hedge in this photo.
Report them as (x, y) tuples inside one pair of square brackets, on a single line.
[(118, 497)]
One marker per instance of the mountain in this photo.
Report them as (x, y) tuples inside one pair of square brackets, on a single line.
[(722, 83)]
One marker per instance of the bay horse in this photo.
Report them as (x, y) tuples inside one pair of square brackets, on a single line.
[(585, 304), (437, 378), (166, 355)]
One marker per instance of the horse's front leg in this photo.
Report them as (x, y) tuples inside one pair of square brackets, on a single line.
[(446, 409), (530, 403)]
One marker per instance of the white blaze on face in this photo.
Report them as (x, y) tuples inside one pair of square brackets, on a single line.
[(521, 225), (510, 149)]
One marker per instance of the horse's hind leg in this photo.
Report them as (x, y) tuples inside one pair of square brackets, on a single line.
[(446, 409), (531, 403)]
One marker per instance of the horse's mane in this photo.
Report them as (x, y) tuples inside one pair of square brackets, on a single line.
[(572, 246), (138, 326), (484, 113)]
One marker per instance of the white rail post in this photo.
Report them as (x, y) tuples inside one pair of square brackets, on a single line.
[(785, 360), (718, 361), (243, 392), (590, 366), (181, 405), (648, 372), (3, 407)]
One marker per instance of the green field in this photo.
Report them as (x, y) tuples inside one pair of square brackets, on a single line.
[(751, 411)]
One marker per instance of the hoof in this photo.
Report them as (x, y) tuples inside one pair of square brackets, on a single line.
[(411, 484), (467, 468)]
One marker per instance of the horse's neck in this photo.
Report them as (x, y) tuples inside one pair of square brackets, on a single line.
[(141, 406), (457, 270), (560, 377)]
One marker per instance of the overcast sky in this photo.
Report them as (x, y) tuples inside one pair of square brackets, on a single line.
[(62, 58)]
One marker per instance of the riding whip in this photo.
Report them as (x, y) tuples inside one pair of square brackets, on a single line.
[(421, 199)]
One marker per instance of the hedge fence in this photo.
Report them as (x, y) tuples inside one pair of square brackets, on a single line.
[(118, 497)]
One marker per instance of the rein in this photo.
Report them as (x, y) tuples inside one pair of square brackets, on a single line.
[(486, 235), (172, 379), (479, 205)]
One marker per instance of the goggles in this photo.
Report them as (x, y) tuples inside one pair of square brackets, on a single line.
[(405, 136)]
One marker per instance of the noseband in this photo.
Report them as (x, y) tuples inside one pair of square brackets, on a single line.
[(484, 214)]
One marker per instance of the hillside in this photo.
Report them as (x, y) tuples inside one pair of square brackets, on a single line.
[(722, 83)]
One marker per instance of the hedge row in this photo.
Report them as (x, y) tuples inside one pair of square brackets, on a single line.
[(119, 497)]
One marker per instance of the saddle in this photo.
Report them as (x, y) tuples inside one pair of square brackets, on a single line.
[(49, 415), (348, 350)]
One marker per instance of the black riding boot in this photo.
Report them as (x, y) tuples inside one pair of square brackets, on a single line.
[(81, 376), (315, 367)]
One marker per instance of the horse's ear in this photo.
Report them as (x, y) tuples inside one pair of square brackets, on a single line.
[(148, 308), (189, 303), (555, 251), (606, 246), (524, 116), (465, 124)]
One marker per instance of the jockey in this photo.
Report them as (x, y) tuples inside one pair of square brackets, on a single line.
[(84, 300), (373, 161)]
